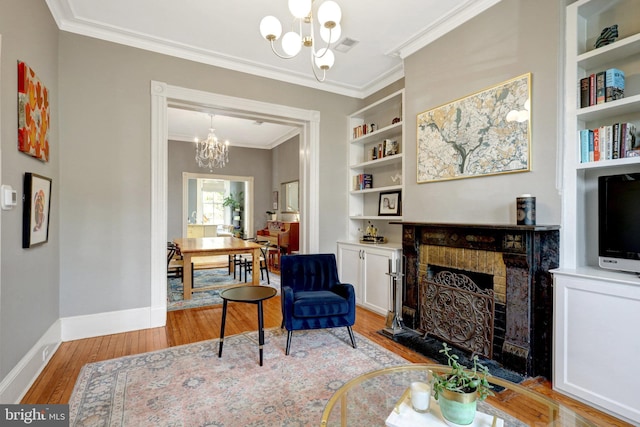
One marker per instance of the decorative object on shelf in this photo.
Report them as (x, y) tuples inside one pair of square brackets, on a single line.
[(390, 203), (328, 16), (395, 120), (458, 390), (485, 133), (212, 153), (36, 208), (33, 114), (390, 147), (526, 209), (271, 215), (371, 235), (607, 36)]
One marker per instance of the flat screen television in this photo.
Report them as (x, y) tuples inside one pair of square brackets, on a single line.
[(619, 222)]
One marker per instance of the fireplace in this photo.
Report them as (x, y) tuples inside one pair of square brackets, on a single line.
[(485, 289)]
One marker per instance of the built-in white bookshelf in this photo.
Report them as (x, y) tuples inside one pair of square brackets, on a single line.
[(595, 310), (386, 167), (584, 23)]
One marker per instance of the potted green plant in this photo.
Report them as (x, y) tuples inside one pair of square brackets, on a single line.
[(271, 215), (457, 391), (233, 201)]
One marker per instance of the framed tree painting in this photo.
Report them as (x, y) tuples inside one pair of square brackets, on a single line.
[(486, 133), (37, 206)]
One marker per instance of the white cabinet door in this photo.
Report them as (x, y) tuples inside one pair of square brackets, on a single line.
[(350, 267), (596, 326), (377, 288)]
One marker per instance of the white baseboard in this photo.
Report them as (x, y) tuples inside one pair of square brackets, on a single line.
[(113, 322), (16, 384)]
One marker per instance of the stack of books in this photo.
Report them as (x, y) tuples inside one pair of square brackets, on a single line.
[(601, 87), (362, 181), (616, 141)]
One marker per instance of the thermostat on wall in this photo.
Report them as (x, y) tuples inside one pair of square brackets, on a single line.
[(8, 197)]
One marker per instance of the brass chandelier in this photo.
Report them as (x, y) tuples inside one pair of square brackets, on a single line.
[(328, 16)]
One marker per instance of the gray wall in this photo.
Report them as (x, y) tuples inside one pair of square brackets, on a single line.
[(29, 278), (510, 39), (242, 162), (105, 163)]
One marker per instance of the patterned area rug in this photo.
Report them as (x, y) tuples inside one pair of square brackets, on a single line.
[(190, 386), (202, 278)]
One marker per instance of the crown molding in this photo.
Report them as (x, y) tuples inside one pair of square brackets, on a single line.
[(66, 20), (447, 23)]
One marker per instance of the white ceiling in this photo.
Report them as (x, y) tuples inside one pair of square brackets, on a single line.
[(226, 34)]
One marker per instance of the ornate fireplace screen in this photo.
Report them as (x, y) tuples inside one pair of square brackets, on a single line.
[(456, 310)]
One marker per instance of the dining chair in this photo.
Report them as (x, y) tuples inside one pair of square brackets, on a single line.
[(175, 263), (246, 263)]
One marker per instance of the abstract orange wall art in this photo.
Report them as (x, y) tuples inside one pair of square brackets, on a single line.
[(33, 114)]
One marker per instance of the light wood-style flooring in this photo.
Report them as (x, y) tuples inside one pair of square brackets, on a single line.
[(55, 383)]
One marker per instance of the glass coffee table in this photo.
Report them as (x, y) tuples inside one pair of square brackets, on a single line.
[(369, 400)]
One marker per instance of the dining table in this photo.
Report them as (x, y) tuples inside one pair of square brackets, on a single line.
[(193, 247)]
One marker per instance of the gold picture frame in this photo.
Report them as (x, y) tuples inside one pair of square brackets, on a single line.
[(486, 133)]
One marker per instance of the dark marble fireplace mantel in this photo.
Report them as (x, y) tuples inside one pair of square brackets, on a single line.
[(528, 253)]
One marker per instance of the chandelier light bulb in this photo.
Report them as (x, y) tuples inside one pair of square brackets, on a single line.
[(270, 28), (325, 59), (329, 14), (291, 43), (300, 8), (331, 35)]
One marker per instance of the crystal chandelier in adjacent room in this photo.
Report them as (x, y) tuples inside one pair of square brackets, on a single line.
[(328, 17), (212, 153)]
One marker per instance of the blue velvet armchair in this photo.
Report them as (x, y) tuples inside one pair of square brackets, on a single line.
[(313, 297)]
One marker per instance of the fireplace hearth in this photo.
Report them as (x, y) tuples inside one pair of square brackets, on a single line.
[(486, 289)]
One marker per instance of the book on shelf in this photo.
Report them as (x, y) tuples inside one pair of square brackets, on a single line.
[(596, 145), (362, 181), (615, 141), (584, 92), (600, 87), (614, 84), (615, 145)]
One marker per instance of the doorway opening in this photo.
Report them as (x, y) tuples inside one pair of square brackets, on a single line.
[(163, 96)]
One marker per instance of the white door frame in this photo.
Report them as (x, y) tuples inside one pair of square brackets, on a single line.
[(163, 95)]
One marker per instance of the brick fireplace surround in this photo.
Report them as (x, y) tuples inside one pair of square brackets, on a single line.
[(515, 259)]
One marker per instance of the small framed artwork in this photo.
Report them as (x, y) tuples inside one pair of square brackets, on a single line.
[(390, 203), (390, 147), (37, 205), (274, 200)]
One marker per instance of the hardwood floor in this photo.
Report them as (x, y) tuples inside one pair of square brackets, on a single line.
[(55, 384)]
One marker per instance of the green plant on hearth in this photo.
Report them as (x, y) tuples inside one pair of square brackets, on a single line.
[(460, 379), (234, 200)]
